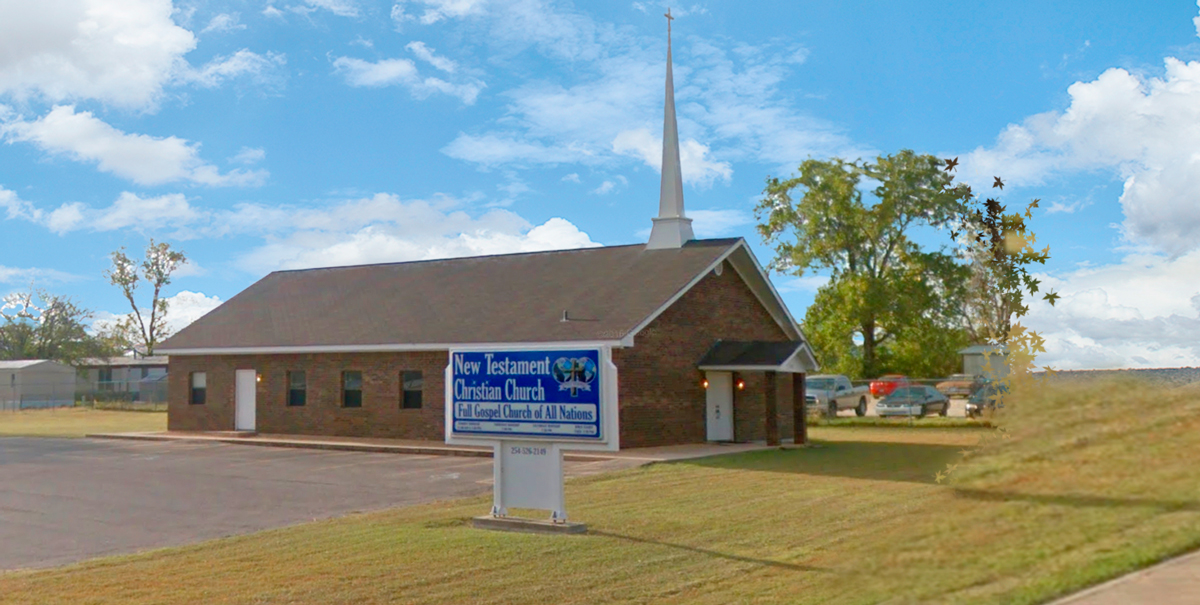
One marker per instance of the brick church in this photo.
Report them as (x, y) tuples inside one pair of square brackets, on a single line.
[(704, 346)]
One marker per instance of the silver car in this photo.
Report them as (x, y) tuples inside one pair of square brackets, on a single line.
[(913, 400)]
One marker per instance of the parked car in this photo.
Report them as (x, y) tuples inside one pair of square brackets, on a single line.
[(913, 400), (981, 400), (960, 385), (830, 393), (884, 385)]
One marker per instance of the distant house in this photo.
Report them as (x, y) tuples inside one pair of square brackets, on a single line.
[(36, 383), (124, 378), (978, 358)]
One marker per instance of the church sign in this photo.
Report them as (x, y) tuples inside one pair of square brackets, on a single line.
[(553, 394)]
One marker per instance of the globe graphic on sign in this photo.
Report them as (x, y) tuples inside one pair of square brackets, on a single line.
[(563, 369), (589, 369)]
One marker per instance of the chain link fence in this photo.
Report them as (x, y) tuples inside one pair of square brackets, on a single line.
[(146, 394)]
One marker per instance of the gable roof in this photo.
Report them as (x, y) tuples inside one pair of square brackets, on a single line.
[(608, 294), (757, 355)]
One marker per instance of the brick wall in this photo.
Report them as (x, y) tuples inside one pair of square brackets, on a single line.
[(662, 397), (662, 400), (322, 414)]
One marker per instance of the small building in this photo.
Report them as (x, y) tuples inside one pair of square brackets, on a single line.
[(704, 347), (126, 378), (36, 383), (985, 360)]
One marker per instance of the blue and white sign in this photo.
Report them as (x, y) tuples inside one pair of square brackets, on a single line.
[(527, 394)]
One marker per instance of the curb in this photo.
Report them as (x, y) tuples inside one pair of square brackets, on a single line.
[(346, 447)]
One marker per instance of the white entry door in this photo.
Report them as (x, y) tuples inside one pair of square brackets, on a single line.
[(720, 405), (244, 390)]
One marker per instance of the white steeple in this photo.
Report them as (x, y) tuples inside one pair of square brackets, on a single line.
[(671, 227)]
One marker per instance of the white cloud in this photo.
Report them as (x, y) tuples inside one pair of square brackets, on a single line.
[(1143, 130), (271, 11), (389, 72), (118, 51), (1196, 20), (384, 228), (224, 22), (128, 212), (1064, 208), (713, 223), (243, 63), (249, 155), (15, 207), (36, 276), (425, 53), (698, 169), (432, 11), (143, 159), (341, 8), (182, 309), (610, 185), (571, 178), (732, 105), (1108, 317)]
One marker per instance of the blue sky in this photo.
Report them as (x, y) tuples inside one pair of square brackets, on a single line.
[(259, 135)]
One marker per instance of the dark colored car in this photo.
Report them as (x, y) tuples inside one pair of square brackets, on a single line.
[(981, 400), (913, 400), (884, 385)]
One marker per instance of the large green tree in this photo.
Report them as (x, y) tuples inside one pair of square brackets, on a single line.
[(884, 290)]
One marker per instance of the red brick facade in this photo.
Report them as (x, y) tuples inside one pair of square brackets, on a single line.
[(662, 399)]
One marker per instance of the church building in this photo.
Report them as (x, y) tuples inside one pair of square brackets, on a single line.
[(704, 346)]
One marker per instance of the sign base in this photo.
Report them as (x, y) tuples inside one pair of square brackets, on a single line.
[(527, 525)]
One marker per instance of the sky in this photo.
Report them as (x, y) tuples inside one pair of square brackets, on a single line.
[(259, 135)]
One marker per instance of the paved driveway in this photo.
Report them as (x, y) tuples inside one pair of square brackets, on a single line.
[(64, 500)]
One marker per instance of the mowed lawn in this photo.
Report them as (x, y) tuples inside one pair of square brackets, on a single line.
[(1089, 484), (77, 422)]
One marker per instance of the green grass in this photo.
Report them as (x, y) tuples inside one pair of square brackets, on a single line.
[(1090, 484), (77, 422)]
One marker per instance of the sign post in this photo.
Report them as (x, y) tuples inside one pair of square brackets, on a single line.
[(529, 405)]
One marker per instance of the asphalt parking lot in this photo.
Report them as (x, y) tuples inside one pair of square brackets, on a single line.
[(65, 500)]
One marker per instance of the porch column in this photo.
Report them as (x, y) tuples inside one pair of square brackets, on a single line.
[(772, 405), (799, 413)]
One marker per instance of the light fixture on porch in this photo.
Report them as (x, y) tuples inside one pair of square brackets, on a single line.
[(257, 377), (704, 383), (741, 384)]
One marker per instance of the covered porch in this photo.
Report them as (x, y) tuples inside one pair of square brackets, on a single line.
[(753, 373)]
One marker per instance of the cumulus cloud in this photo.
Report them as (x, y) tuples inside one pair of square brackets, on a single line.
[(1140, 312), (182, 309), (128, 212), (140, 158), (118, 51), (249, 155), (1143, 130), (403, 72), (341, 8), (384, 228)]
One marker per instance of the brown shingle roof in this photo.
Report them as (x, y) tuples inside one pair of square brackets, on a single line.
[(485, 299)]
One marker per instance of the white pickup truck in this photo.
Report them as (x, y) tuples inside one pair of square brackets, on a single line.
[(830, 393)]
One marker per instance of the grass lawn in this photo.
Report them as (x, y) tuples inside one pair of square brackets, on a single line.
[(77, 422), (1091, 483)]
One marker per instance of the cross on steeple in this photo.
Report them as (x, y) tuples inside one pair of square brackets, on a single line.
[(672, 229)]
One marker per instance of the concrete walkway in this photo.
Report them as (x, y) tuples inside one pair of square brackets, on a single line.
[(1174, 582), (644, 455)]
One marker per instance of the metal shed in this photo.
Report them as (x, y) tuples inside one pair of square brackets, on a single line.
[(975, 362), (36, 383)]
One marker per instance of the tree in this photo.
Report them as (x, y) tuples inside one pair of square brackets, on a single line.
[(156, 269), (883, 287), (39, 325)]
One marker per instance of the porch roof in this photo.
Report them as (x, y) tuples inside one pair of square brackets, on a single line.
[(758, 356)]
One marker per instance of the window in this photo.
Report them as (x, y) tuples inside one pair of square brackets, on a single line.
[(297, 389), (199, 384), (352, 389), (410, 390)]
